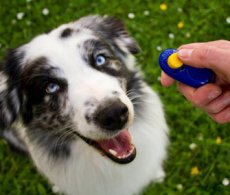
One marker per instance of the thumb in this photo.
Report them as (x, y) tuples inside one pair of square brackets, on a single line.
[(207, 56)]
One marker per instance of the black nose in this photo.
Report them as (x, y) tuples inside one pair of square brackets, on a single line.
[(112, 115)]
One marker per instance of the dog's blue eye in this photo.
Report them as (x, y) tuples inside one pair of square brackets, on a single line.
[(52, 88), (100, 60)]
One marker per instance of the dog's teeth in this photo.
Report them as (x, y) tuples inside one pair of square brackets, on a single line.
[(122, 157), (113, 152)]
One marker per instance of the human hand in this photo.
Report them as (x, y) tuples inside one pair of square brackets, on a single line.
[(214, 98)]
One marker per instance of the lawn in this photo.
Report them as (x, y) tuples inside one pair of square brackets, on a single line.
[(199, 152)]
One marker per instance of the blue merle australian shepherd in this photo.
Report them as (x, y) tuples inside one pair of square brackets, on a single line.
[(73, 100)]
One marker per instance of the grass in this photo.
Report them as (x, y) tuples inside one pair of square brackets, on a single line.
[(203, 21)]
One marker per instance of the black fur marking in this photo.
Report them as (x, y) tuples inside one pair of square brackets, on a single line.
[(66, 33), (56, 141), (35, 80), (12, 103), (134, 86), (47, 126), (92, 48), (10, 97), (12, 66), (110, 28), (4, 121), (88, 118)]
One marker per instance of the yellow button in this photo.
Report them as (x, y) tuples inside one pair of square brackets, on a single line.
[(173, 61)]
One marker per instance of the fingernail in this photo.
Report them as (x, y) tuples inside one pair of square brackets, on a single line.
[(185, 53), (213, 94)]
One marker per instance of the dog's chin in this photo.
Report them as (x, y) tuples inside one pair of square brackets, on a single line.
[(119, 148)]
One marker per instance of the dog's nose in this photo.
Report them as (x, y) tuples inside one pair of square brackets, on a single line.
[(112, 115)]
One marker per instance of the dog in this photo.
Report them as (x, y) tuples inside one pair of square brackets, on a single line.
[(75, 102)]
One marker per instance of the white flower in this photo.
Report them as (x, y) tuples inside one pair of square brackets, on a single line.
[(179, 187), (228, 20), (225, 182), (171, 36), (146, 12), (200, 137), (45, 11), (28, 23), (187, 35), (14, 21), (131, 15), (179, 9), (159, 48), (192, 146), (20, 15), (28, 7)]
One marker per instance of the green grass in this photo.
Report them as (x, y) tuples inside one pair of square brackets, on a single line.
[(203, 20)]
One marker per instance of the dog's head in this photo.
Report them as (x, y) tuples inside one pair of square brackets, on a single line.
[(73, 82)]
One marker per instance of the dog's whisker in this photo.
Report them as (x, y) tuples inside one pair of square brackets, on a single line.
[(65, 136)]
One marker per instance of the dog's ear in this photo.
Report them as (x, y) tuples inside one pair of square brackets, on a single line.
[(111, 28), (116, 29), (9, 91)]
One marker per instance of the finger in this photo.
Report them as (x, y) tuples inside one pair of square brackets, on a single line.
[(166, 80), (223, 116), (190, 46), (206, 57), (201, 96), (220, 44), (218, 104)]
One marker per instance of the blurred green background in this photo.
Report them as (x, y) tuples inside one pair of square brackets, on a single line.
[(199, 153)]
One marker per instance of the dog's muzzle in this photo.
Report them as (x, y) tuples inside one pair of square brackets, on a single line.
[(112, 116)]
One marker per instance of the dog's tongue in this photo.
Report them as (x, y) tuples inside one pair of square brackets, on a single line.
[(119, 147)]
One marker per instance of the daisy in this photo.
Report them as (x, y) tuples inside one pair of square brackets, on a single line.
[(131, 15), (45, 11), (20, 15)]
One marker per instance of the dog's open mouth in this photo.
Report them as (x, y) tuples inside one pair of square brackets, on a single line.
[(119, 149)]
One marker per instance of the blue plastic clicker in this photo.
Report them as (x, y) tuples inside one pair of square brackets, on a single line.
[(172, 66)]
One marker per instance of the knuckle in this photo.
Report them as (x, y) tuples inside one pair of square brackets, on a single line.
[(204, 52), (227, 95), (198, 100), (213, 109), (220, 117), (216, 118)]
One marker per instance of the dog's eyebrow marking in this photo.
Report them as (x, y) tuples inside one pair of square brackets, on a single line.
[(66, 33), (41, 67), (35, 66), (92, 46)]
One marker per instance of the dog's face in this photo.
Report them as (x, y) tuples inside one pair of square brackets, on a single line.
[(73, 83)]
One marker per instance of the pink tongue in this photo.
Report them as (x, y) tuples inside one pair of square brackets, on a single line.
[(119, 146)]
